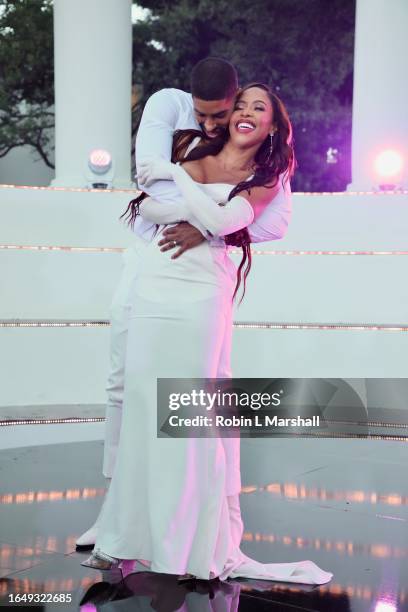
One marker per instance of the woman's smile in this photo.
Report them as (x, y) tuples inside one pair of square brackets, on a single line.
[(245, 127)]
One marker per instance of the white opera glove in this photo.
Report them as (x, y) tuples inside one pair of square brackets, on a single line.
[(154, 211), (273, 222), (157, 169)]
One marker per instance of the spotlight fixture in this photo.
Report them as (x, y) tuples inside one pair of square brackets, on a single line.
[(100, 169), (388, 166)]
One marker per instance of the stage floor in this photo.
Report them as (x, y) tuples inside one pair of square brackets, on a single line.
[(341, 503)]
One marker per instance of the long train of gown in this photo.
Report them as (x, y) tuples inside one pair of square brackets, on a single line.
[(167, 501)]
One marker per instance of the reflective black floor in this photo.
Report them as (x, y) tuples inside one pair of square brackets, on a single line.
[(341, 503)]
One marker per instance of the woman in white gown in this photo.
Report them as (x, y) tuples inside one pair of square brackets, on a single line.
[(167, 502)]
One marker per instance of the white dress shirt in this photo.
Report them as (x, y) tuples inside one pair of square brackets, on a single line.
[(168, 110)]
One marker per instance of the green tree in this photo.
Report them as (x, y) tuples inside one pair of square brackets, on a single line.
[(304, 49), (26, 76)]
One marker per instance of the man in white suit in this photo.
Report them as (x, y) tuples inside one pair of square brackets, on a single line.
[(214, 85)]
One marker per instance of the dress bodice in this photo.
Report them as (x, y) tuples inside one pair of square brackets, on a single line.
[(218, 191)]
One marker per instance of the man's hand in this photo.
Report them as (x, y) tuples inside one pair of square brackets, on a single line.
[(151, 170), (183, 235)]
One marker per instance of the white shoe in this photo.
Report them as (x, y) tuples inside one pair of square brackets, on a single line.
[(87, 540)]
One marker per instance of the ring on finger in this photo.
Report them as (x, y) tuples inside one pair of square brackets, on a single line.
[(175, 243)]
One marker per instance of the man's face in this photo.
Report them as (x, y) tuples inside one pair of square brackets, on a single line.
[(213, 115)]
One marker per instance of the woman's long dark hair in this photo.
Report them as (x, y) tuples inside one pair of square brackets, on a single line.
[(269, 166)]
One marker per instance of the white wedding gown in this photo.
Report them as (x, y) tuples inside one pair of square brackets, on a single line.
[(167, 501)]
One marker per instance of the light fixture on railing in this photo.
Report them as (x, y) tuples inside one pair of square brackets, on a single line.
[(100, 169), (388, 167)]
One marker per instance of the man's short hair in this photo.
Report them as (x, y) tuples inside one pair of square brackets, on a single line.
[(214, 78)]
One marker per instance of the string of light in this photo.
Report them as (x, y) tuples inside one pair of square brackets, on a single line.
[(67, 420), (97, 249), (24, 247), (395, 192), (21, 323), (76, 420), (268, 252), (327, 326), (68, 189), (237, 325), (370, 436), (368, 423)]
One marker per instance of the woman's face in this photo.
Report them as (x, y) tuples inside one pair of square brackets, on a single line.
[(252, 118)]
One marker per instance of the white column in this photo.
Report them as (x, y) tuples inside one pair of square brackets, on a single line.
[(380, 99), (93, 67)]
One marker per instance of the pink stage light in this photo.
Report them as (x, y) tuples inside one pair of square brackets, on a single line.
[(385, 606), (388, 164), (100, 161), (100, 157)]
